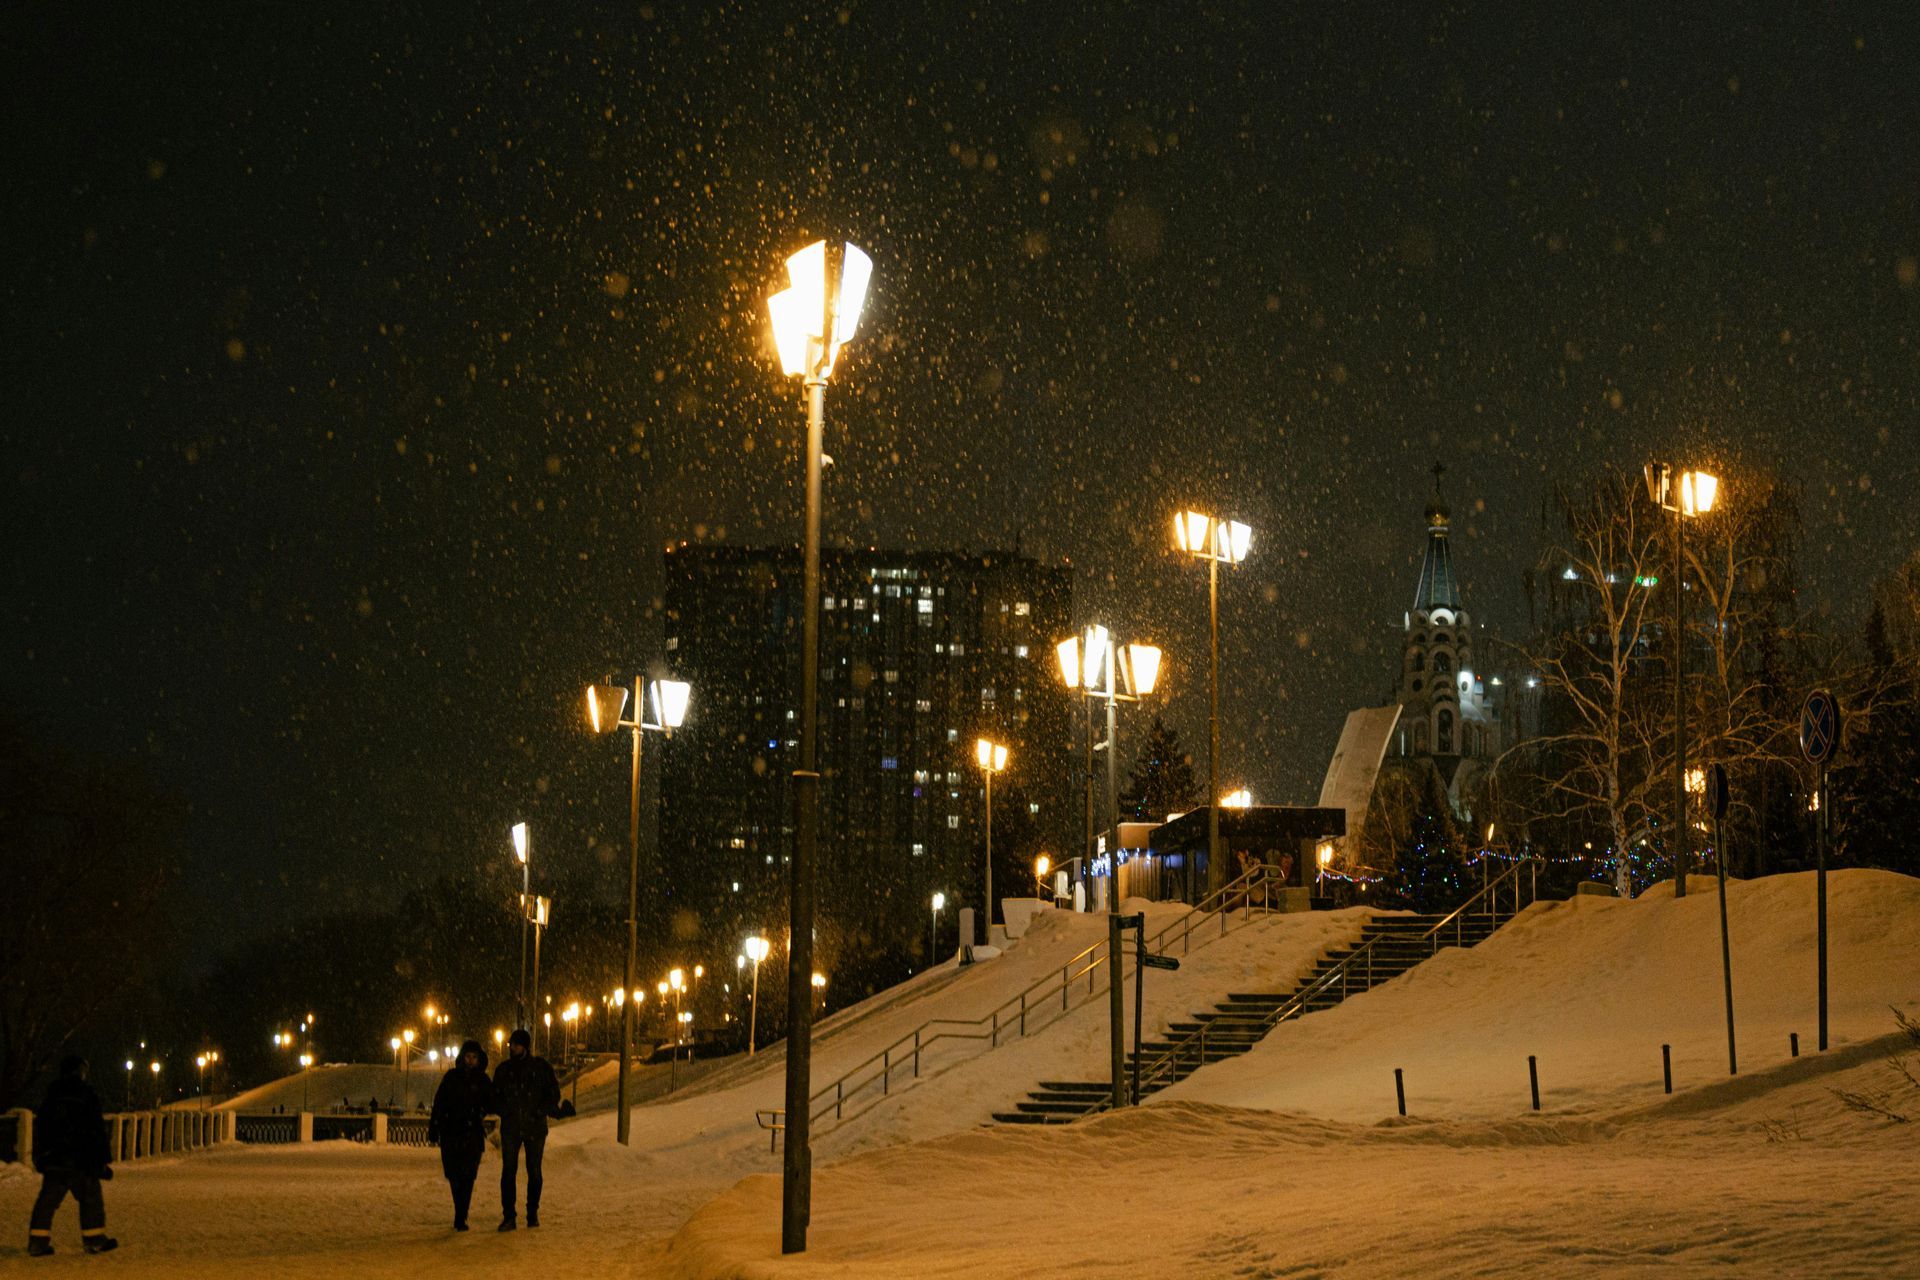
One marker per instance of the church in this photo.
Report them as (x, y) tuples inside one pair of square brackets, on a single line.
[(1442, 729)]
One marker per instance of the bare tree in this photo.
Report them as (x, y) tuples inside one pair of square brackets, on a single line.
[(1597, 753)]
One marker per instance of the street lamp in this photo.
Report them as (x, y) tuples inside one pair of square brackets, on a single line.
[(756, 949), (1041, 865), (1217, 542), (604, 704), (933, 947), (522, 852), (539, 910), (129, 1084), (306, 1079), (406, 1067), (1686, 494), (155, 1065), (992, 759), (812, 318), (1102, 669), (1240, 799)]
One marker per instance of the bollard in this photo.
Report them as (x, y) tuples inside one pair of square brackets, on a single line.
[(1666, 1064), (1400, 1090), (1793, 1043), (1533, 1078)]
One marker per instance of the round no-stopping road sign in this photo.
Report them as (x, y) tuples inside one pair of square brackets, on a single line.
[(1819, 727)]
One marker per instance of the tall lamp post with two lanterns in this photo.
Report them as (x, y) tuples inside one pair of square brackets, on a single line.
[(992, 758), (1217, 542), (1686, 494), (604, 704), (812, 319)]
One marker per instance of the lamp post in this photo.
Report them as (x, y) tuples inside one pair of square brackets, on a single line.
[(1104, 670), (1685, 494), (406, 1068), (812, 318), (1217, 542), (155, 1066), (306, 1081), (1098, 666), (992, 759), (129, 1084), (604, 704), (522, 852), (756, 949), (1041, 865), (538, 912), (933, 945)]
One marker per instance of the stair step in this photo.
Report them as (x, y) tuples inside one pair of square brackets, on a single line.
[(1098, 1088), (1024, 1117), (1055, 1108)]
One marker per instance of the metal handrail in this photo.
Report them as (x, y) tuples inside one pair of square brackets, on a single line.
[(1019, 1010), (1167, 1060)]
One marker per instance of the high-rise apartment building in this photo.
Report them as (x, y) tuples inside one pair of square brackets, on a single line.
[(920, 654)]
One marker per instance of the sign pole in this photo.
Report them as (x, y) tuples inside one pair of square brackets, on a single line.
[(1820, 893), (1717, 784), (1139, 995)]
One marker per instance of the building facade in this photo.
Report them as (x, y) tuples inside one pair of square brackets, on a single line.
[(920, 654)]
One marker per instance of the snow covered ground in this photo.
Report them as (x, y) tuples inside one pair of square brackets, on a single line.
[(1288, 1161)]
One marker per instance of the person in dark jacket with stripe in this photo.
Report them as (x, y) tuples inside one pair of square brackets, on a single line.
[(458, 1125), (70, 1150), (525, 1093)]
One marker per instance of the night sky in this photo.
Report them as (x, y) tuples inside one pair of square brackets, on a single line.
[(360, 366)]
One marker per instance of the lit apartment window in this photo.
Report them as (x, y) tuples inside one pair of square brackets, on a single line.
[(926, 606), (953, 735), (736, 843), (673, 642), (1019, 651), (919, 851), (1022, 609), (953, 822), (957, 649), (986, 693), (892, 677), (920, 775), (1033, 806), (923, 704)]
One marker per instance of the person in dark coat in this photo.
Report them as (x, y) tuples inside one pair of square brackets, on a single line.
[(525, 1093), (458, 1124), (71, 1152)]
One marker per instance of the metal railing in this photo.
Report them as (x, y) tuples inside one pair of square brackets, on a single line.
[(870, 1081), (267, 1127), (1164, 1067)]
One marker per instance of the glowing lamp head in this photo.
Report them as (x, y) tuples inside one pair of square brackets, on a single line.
[(1240, 799), (605, 702), (155, 1066), (407, 1036), (1042, 865), (939, 901), (620, 996), (520, 841), (1190, 532), (699, 971), (1697, 492), (394, 1044), (306, 1059), (819, 980), (1324, 853), (129, 1064), (677, 979), (1095, 657), (820, 308), (1143, 665), (1069, 652), (200, 1061), (670, 699), (990, 756), (757, 948)]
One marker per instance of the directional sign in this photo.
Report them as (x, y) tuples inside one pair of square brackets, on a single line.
[(1819, 727), (1717, 791), (1159, 962)]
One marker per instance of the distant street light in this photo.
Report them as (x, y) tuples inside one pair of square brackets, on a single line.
[(1686, 494), (756, 951), (812, 318), (406, 1064), (933, 948), (523, 853), (992, 759), (306, 1078), (1217, 542), (1240, 799), (604, 705), (1041, 865)]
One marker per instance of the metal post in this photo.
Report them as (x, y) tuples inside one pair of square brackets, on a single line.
[(1216, 866), (1113, 802), (986, 919), (1666, 1065), (526, 888), (1533, 1078), (1139, 1000), (1400, 1090), (534, 1030), (1088, 702), (1726, 949), (1820, 891), (796, 1175), (624, 1128), (1679, 714), (1116, 1013), (753, 1011)]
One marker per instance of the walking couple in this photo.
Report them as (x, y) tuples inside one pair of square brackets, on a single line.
[(523, 1093)]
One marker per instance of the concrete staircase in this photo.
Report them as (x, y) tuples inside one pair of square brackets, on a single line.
[(1392, 945)]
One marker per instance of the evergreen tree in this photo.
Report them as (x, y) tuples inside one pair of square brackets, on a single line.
[(1162, 781), (1430, 871), (1876, 793)]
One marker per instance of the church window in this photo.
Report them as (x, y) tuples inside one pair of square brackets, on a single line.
[(1420, 739), (1443, 733), (1419, 662), (1442, 664), (1416, 686)]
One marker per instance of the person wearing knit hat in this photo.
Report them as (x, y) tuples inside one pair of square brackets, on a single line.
[(525, 1093)]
